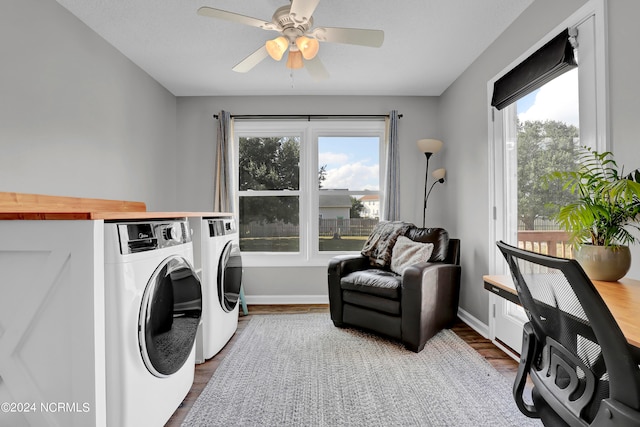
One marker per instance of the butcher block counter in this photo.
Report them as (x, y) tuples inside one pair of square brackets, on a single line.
[(20, 206)]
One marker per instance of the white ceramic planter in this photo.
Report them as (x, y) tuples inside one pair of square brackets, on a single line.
[(608, 263)]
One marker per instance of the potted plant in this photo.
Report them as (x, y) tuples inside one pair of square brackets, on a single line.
[(604, 214)]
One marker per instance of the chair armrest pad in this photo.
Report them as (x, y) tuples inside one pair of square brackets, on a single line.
[(430, 274), (342, 265)]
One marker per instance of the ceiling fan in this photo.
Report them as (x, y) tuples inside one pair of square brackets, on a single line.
[(294, 23)]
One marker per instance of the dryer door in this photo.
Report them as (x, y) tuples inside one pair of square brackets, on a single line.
[(169, 316), (229, 276)]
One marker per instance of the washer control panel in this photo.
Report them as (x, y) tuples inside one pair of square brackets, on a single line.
[(147, 236)]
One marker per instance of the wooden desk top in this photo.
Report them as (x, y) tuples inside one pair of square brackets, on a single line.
[(622, 298)]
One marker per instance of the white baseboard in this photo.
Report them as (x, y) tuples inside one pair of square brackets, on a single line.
[(467, 318), (286, 299), (474, 323)]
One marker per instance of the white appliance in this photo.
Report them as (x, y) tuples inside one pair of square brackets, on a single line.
[(217, 254), (153, 303)]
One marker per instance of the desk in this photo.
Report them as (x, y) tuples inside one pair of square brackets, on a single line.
[(622, 298)]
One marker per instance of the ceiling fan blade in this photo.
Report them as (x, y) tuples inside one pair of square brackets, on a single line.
[(235, 17), (301, 10), (316, 69), (371, 38), (251, 61)]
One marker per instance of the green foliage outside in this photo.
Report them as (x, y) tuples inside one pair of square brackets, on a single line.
[(356, 208), (291, 244), (543, 147), (269, 164), (270, 244), (345, 243)]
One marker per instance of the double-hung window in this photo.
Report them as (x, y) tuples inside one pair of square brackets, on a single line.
[(307, 189)]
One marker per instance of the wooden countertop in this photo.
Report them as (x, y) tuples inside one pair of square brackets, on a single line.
[(20, 206), (622, 299), (105, 215)]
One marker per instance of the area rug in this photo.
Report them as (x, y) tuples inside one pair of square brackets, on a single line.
[(300, 370)]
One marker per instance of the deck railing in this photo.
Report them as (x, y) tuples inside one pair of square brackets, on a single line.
[(549, 242)]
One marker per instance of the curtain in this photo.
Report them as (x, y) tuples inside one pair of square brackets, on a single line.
[(545, 64), (222, 201), (391, 196)]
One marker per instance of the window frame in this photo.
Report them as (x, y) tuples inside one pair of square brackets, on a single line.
[(593, 106), (308, 193)]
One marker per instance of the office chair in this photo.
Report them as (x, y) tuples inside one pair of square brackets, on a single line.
[(582, 368)]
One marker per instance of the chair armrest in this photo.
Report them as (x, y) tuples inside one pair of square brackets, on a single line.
[(430, 293), (339, 267), (345, 264)]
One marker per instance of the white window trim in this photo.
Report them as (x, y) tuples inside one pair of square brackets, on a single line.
[(309, 131), (594, 109)]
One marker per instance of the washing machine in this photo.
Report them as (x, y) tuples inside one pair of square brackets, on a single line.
[(216, 243), (153, 308)]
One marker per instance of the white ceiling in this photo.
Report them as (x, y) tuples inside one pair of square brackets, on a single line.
[(428, 44)]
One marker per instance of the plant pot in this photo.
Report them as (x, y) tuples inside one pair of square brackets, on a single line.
[(607, 263)]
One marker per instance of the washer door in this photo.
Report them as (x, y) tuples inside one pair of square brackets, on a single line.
[(229, 276), (169, 316)]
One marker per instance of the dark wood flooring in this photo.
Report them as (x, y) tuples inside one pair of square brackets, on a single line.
[(496, 357)]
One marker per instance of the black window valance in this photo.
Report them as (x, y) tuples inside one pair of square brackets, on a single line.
[(545, 64)]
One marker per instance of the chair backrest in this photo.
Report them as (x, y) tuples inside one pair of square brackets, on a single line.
[(581, 356)]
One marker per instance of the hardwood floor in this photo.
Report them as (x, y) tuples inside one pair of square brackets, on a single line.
[(496, 357)]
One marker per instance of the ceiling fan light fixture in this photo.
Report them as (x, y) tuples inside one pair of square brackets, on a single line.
[(277, 47), (294, 59), (308, 46)]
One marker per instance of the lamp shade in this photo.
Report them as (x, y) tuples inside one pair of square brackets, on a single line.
[(308, 47), (277, 47), (439, 174), (294, 60), (429, 145)]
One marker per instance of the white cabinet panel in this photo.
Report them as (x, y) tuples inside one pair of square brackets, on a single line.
[(52, 370), (506, 321)]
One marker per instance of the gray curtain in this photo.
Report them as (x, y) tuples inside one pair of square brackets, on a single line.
[(391, 210), (222, 201)]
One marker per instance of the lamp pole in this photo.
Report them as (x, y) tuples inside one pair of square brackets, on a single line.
[(426, 176), (428, 147)]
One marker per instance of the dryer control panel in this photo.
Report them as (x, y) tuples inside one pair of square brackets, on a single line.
[(221, 226), (147, 236)]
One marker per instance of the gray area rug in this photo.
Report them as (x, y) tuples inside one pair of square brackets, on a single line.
[(300, 370)]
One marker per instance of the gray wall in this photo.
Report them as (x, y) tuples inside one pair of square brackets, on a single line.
[(76, 117), (79, 119), (196, 139), (463, 113)]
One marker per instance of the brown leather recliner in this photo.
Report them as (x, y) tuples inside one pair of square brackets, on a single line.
[(411, 307)]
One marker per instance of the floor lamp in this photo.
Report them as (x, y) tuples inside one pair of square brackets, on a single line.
[(428, 147)]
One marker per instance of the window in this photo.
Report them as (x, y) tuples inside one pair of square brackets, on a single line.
[(538, 132), (533, 135), (349, 174), (544, 135), (302, 188)]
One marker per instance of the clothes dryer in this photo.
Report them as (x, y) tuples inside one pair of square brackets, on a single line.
[(153, 302), (216, 243)]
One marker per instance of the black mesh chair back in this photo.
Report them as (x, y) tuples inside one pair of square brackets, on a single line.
[(582, 367)]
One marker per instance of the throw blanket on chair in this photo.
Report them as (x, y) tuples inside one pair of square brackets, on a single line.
[(379, 246)]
